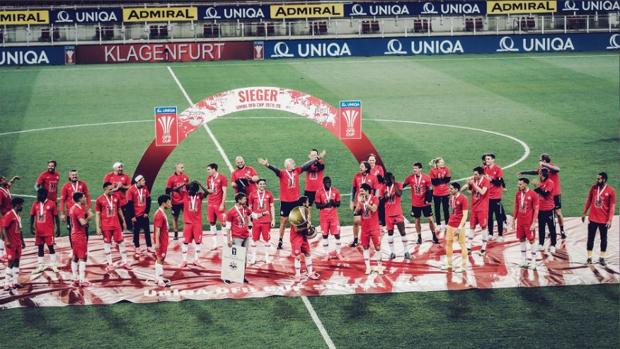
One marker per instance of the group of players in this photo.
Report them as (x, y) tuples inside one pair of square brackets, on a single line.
[(375, 202)]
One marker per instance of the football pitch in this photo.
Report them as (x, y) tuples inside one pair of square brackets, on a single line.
[(414, 109)]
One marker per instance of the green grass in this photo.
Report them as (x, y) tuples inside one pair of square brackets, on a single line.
[(563, 104), (553, 317)]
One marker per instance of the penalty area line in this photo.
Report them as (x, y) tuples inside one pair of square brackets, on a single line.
[(209, 132)]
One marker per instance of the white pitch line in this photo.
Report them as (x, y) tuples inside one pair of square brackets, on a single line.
[(307, 303), (319, 324), (206, 127)]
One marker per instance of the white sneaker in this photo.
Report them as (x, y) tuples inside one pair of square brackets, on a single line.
[(492, 238), (552, 249), (523, 264), (533, 265), (446, 266), (500, 239), (541, 248), (252, 259), (368, 271), (267, 260), (459, 270), (40, 268)]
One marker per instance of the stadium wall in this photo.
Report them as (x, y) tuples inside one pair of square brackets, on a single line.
[(292, 49)]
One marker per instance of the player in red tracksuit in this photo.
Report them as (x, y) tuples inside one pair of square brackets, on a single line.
[(495, 175), (601, 203), (544, 189), (553, 172), (421, 198), (49, 180), (138, 208), (260, 202), (367, 208), (362, 177), (192, 221), (314, 175), (160, 231), (121, 183), (525, 216), (13, 238), (217, 186), (5, 206), (391, 194), (176, 189), (479, 187), (45, 213), (327, 201), (300, 228), (237, 222), (80, 215), (108, 214), (289, 188)]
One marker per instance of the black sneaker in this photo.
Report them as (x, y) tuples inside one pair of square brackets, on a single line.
[(419, 239), (469, 251), (563, 235), (589, 260), (280, 243), (176, 235), (435, 240), (602, 262), (354, 243)]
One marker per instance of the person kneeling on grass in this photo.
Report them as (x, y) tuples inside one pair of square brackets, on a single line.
[(160, 229), (301, 231)]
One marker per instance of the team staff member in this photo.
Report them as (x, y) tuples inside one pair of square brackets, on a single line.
[(440, 178), (495, 175), (45, 213), (456, 225), (120, 184), (421, 198), (554, 175), (243, 178), (176, 189), (525, 215), (49, 180), (601, 202), (289, 188)]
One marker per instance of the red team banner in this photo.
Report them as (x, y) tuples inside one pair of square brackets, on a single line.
[(168, 52), (350, 119), (166, 126)]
